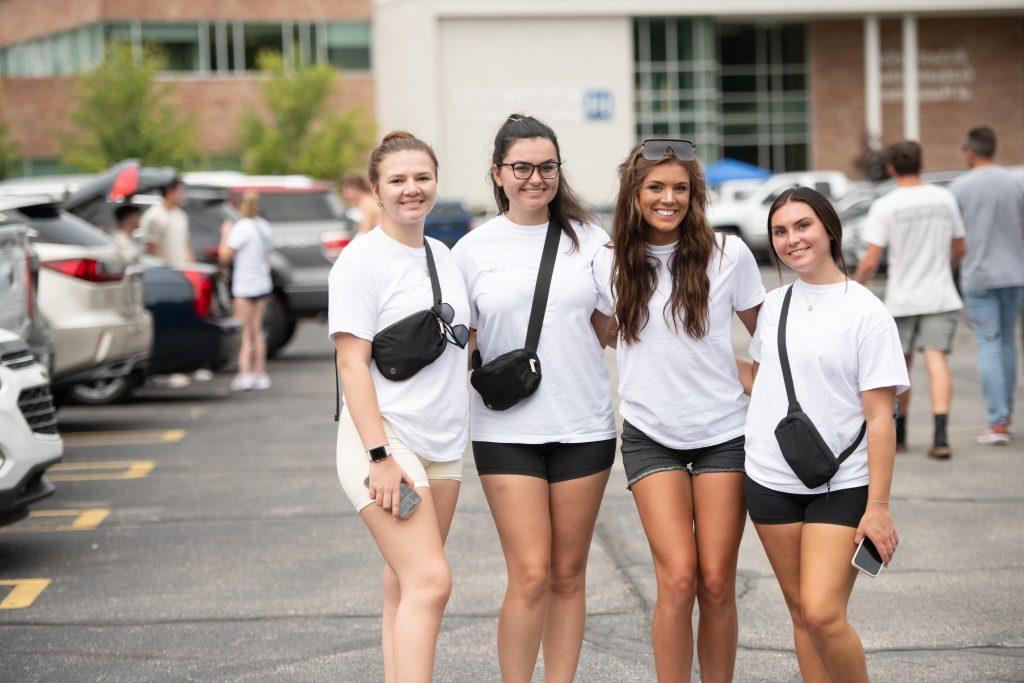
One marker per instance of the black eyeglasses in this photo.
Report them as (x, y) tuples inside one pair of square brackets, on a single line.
[(524, 169), (656, 149), (457, 334)]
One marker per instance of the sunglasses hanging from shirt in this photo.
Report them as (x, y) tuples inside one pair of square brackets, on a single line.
[(801, 444), (514, 376), (404, 348)]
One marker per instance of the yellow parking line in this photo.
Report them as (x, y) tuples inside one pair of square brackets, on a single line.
[(100, 471), (24, 593), (84, 520), (140, 437)]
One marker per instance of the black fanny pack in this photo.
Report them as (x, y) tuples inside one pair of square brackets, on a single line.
[(514, 376), (801, 444), (405, 347)]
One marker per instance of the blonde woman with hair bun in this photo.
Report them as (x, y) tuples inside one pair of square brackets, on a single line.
[(247, 245)]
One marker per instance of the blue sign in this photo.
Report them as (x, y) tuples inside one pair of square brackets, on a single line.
[(598, 105)]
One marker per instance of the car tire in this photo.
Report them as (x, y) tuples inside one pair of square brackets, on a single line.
[(104, 391), (278, 325)]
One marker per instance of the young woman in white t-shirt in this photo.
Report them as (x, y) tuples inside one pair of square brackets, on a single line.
[(847, 367), (247, 244), (544, 462), (672, 287), (411, 431)]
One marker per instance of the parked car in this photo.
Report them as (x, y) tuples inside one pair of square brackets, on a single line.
[(448, 221), (29, 442), (748, 217), (93, 300), (19, 287), (309, 229), (192, 323)]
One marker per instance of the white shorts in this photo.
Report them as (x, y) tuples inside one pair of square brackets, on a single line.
[(354, 467)]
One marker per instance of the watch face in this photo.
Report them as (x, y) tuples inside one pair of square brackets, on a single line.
[(378, 453)]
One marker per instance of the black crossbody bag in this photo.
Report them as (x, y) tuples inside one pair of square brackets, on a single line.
[(514, 376), (805, 451), (405, 347)]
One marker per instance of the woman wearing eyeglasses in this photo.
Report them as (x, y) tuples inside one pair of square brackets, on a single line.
[(544, 462), (411, 431), (672, 287)]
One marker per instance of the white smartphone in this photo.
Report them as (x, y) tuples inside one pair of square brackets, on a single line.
[(867, 558)]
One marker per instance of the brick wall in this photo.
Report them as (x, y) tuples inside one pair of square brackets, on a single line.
[(37, 108), (971, 67), (26, 19)]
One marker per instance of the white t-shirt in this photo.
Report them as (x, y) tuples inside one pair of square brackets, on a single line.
[(168, 230), (250, 276), (918, 225), (847, 344), (573, 404), (376, 282), (682, 392)]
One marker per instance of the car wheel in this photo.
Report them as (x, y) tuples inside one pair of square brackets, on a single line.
[(278, 325), (103, 391)]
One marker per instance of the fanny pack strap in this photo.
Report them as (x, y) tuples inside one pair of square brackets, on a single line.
[(543, 286), (787, 376), (435, 286)]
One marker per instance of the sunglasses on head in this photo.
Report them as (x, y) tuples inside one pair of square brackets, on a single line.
[(457, 334), (656, 149)]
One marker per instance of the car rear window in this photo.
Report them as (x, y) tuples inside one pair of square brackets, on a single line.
[(60, 227), (208, 215), (298, 206)]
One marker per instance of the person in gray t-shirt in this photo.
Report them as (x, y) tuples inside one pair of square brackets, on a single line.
[(991, 200)]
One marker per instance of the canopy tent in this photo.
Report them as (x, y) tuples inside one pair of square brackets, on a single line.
[(734, 169)]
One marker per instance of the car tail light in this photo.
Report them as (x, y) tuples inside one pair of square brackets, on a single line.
[(202, 285), (87, 269), (331, 244)]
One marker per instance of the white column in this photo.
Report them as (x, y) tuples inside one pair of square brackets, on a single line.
[(873, 79), (911, 108)]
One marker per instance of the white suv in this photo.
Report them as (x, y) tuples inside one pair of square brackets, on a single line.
[(29, 442)]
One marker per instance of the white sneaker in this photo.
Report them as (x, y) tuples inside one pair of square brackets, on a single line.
[(260, 382), (242, 382), (202, 375)]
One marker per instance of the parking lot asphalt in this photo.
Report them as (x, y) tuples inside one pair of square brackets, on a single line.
[(201, 535)]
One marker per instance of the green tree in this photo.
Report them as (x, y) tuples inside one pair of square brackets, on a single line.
[(8, 148), (302, 133), (122, 111)]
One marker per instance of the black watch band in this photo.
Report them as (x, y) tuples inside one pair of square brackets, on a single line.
[(378, 453)]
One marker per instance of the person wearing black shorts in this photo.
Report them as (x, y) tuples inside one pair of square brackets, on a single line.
[(670, 287), (847, 367), (544, 462)]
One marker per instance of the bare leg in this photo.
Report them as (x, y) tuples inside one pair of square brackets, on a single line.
[(940, 380), (826, 581), (446, 494), (782, 545), (574, 505), (519, 505), (665, 503), (413, 549), (719, 514), (243, 311), (259, 342)]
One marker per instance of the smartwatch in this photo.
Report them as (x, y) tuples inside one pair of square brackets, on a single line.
[(378, 453)]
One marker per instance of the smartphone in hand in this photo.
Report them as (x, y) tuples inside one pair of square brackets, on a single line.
[(867, 559), (407, 501)]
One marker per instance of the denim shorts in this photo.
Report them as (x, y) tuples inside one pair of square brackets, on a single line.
[(642, 456)]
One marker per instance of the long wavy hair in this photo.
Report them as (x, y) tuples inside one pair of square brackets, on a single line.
[(565, 206), (635, 273)]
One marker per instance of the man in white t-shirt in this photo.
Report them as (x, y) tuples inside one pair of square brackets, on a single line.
[(165, 226), (921, 227)]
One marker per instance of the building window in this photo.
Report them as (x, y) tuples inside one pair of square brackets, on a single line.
[(179, 44), (348, 45), (739, 90), (259, 38)]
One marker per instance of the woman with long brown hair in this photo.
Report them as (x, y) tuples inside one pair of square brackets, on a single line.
[(672, 287), (544, 462)]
